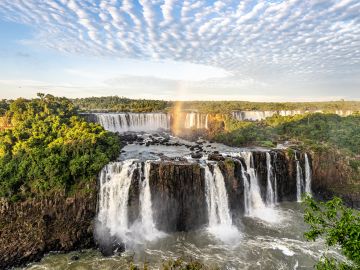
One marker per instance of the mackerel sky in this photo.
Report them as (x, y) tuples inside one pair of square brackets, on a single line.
[(270, 50)]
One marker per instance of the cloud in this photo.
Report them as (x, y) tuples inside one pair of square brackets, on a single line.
[(262, 40)]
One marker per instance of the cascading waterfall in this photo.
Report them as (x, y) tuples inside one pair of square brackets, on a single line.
[(196, 120), (307, 175), (252, 192), (115, 182), (123, 122), (271, 187), (247, 197), (146, 225), (220, 221), (299, 179), (217, 199)]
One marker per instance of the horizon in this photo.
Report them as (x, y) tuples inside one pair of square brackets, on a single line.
[(260, 51), (184, 101)]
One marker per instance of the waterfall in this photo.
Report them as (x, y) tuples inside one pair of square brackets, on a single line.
[(261, 115), (252, 192), (146, 226), (207, 121), (299, 179), (307, 175), (196, 120), (247, 198), (115, 182), (216, 198), (220, 221), (271, 192), (123, 122)]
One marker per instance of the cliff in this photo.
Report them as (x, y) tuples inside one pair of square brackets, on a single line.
[(333, 176), (34, 227)]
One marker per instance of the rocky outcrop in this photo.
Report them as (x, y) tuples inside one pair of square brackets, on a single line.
[(34, 227), (178, 195), (333, 176)]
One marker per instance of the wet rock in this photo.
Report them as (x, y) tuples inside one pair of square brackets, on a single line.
[(196, 155), (75, 258), (215, 157)]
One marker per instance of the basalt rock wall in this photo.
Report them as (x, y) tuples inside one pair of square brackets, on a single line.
[(34, 227)]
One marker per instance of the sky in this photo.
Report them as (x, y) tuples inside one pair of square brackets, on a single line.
[(270, 50)]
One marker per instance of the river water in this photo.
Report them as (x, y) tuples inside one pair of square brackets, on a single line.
[(276, 243), (267, 237)]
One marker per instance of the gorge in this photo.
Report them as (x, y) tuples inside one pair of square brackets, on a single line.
[(166, 196)]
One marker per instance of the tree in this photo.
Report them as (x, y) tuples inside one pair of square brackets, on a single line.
[(339, 226)]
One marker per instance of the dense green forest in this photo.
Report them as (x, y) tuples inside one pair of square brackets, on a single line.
[(121, 104), (229, 106), (117, 104), (314, 130), (45, 147)]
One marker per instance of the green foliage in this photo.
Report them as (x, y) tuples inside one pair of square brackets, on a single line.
[(49, 148), (317, 131), (115, 103), (229, 106), (121, 104), (339, 226), (4, 106)]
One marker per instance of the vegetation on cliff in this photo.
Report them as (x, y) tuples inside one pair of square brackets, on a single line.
[(314, 130), (46, 147), (332, 140), (122, 104), (339, 226)]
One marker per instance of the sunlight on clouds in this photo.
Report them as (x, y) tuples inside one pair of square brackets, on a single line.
[(271, 46)]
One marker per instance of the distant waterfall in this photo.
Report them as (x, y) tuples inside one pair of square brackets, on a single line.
[(252, 194), (261, 115), (252, 115), (196, 120), (115, 182), (271, 187), (123, 122), (307, 175)]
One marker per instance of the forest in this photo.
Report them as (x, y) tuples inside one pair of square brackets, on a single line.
[(122, 104), (45, 147)]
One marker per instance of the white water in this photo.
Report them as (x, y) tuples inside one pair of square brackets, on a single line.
[(220, 221), (123, 122), (303, 181), (252, 193), (271, 192), (196, 120), (261, 115), (254, 205), (299, 179), (307, 175), (115, 181), (145, 227)]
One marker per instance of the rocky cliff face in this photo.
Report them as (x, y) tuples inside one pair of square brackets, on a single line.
[(178, 196), (32, 228), (332, 176)]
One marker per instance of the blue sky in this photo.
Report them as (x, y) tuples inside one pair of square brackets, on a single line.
[(270, 50)]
